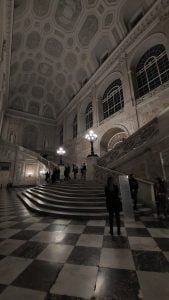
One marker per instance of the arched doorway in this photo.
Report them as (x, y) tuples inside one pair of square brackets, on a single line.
[(112, 139)]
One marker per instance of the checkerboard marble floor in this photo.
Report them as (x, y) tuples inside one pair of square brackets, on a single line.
[(44, 258)]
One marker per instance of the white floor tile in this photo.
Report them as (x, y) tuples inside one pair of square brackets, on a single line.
[(76, 281)]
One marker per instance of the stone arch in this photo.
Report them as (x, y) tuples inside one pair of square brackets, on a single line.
[(112, 137), (30, 136), (154, 39)]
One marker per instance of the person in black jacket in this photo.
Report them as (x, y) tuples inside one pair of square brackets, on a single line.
[(133, 189), (113, 204)]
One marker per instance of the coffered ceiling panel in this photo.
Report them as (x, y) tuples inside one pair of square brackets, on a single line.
[(57, 46)]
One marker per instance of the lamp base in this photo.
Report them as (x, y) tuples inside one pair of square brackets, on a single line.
[(92, 155)]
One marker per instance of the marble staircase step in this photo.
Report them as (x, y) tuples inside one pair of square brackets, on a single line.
[(54, 199), (71, 195), (44, 203), (44, 211)]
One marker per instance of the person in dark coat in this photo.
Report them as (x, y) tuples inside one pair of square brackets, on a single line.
[(75, 170), (160, 190), (113, 204), (133, 189)]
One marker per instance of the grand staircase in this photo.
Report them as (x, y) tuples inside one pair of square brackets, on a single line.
[(72, 200)]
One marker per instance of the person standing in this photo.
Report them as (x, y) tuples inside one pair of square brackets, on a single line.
[(160, 191), (113, 204), (133, 189), (75, 171), (83, 172)]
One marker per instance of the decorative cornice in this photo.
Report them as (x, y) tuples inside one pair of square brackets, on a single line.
[(29, 117), (157, 11)]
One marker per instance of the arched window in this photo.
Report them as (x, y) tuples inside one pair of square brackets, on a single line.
[(113, 98), (89, 116), (75, 127), (61, 136), (152, 70)]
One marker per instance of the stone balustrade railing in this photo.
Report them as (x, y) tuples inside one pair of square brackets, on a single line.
[(145, 191)]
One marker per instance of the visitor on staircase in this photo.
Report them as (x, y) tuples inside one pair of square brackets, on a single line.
[(75, 171), (133, 189), (113, 204), (83, 172)]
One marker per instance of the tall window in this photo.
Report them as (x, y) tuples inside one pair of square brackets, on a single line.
[(113, 98), (89, 116), (152, 70), (61, 136), (75, 127)]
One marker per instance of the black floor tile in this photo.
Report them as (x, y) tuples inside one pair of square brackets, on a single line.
[(117, 284), (88, 256), (142, 232), (93, 230), (150, 261), (24, 235), (29, 250), (154, 224), (47, 220), (21, 225), (55, 227), (78, 222), (115, 242), (163, 243), (69, 239), (40, 275), (2, 287)]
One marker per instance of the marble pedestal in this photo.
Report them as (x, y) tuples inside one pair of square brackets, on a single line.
[(91, 162), (126, 200)]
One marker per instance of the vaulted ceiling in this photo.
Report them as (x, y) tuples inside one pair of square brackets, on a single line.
[(57, 46)]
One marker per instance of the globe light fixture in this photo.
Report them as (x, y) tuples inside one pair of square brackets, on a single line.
[(61, 152), (91, 137)]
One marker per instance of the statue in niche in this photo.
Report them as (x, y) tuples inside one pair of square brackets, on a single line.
[(12, 137)]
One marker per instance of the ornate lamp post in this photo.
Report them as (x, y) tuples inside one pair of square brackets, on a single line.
[(91, 137), (61, 152)]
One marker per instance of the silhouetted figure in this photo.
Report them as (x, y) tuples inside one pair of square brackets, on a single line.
[(83, 172), (75, 171), (54, 175), (67, 172), (133, 189), (47, 176), (113, 204), (160, 191), (57, 174)]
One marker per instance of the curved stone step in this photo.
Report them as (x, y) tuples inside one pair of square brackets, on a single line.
[(70, 192), (54, 199), (71, 196), (44, 203), (44, 211), (69, 188)]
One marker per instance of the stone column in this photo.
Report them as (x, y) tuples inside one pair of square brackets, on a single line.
[(95, 107)]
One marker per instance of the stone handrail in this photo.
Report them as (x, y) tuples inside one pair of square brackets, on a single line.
[(136, 140), (145, 191), (34, 155)]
